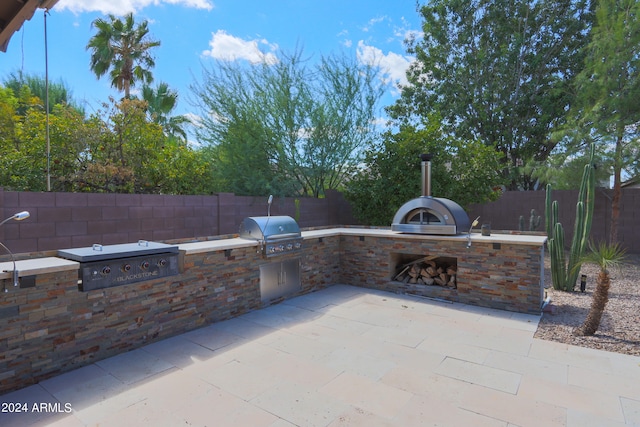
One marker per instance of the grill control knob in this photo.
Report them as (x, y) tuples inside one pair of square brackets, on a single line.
[(126, 267), (144, 265), (106, 270), (162, 262), (290, 246)]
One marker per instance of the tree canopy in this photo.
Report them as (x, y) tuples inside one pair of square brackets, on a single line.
[(116, 149), (500, 72), (122, 48), (609, 88), (287, 127), (464, 171)]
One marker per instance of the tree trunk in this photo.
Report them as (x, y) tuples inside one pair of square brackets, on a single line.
[(598, 304), (617, 190)]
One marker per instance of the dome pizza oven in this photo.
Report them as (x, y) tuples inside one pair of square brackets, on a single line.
[(430, 215)]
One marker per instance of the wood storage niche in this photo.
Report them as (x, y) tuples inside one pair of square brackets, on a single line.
[(428, 270)]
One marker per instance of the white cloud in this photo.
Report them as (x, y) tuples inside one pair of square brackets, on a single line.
[(393, 65), (373, 22), (226, 47), (122, 7)]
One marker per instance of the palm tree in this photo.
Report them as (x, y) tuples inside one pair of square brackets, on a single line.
[(123, 49), (605, 256), (161, 101)]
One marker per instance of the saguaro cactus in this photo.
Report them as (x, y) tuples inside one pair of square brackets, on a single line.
[(534, 220), (564, 276)]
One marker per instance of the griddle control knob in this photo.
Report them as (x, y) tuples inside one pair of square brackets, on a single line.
[(105, 270), (126, 267), (162, 262), (144, 265)]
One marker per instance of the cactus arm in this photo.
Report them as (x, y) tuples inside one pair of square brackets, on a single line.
[(558, 268), (576, 247), (547, 212)]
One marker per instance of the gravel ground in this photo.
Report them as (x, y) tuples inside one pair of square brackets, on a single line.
[(620, 326)]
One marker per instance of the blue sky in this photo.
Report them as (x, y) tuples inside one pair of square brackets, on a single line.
[(194, 33)]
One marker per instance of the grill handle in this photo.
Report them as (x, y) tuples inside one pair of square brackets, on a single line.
[(275, 238)]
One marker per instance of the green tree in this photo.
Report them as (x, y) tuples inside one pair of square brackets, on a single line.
[(609, 88), (133, 155), (59, 92), (497, 71), (23, 157), (122, 48), (161, 102), (391, 175), (8, 108), (563, 168), (300, 129)]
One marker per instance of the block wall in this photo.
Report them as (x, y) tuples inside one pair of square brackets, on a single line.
[(73, 220)]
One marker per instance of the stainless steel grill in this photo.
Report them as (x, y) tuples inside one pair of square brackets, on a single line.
[(276, 235), (430, 215), (116, 265)]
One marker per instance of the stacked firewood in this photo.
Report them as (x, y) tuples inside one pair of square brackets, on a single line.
[(429, 270)]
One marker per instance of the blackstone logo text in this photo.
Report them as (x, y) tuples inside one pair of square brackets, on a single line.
[(143, 275)]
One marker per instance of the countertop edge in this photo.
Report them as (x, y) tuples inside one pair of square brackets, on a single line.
[(29, 267), (53, 264)]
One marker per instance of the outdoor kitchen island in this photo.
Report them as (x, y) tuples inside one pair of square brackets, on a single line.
[(503, 271), (60, 326)]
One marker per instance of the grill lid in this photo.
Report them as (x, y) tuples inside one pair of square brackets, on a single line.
[(269, 228), (99, 252)]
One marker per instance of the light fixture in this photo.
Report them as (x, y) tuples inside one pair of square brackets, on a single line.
[(18, 217)]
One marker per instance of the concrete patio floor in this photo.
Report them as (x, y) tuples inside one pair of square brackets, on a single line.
[(347, 356)]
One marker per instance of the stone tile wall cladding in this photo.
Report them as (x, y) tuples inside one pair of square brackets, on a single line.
[(502, 276), (52, 327)]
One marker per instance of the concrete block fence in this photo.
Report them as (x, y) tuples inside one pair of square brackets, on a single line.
[(504, 213), (66, 220), (71, 220)]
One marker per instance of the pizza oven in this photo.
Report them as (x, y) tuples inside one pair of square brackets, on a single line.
[(430, 215)]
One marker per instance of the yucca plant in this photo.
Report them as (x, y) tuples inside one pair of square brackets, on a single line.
[(605, 256)]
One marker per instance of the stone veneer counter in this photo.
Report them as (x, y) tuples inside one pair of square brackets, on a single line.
[(52, 327), (503, 271)]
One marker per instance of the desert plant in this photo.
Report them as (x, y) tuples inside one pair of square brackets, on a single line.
[(534, 221), (605, 256), (564, 276)]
